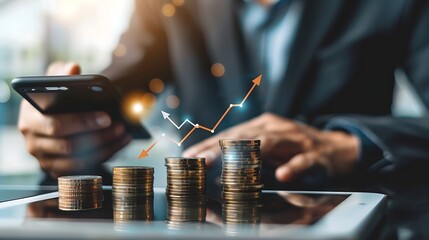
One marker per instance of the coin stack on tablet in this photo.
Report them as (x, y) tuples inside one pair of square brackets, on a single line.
[(80, 192), (132, 182), (241, 165), (186, 177), (185, 190), (132, 194)]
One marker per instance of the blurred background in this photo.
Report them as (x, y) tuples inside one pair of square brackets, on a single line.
[(35, 33)]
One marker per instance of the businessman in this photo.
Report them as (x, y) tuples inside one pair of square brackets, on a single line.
[(325, 99)]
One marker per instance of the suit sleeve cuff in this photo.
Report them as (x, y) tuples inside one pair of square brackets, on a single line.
[(370, 153)]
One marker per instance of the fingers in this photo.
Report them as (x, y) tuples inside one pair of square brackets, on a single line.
[(283, 144), (60, 125), (296, 166), (209, 149), (61, 68), (38, 145), (57, 166), (260, 127), (75, 123)]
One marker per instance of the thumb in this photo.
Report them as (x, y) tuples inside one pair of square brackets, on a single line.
[(296, 166), (61, 68)]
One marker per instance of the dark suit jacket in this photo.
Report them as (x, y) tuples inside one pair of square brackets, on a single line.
[(341, 67)]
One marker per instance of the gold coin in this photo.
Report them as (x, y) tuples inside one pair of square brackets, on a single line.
[(239, 142)]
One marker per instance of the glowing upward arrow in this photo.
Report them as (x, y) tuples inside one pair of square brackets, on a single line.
[(165, 115)]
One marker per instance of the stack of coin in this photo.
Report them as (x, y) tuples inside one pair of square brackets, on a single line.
[(132, 194), (132, 182), (186, 181), (241, 165), (80, 192), (186, 177)]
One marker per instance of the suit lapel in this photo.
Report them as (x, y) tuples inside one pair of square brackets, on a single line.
[(317, 18)]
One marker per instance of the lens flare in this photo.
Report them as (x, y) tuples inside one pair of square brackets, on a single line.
[(137, 107)]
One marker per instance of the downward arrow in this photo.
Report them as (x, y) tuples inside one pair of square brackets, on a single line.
[(145, 153)]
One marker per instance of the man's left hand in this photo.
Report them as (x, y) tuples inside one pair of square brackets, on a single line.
[(291, 146)]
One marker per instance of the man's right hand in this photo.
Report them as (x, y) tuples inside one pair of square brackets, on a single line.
[(70, 143)]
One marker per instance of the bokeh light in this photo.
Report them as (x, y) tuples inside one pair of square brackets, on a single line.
[(156, 85), (178, 2), (149, 100), (168, 10), (172, 101), (218, 70)]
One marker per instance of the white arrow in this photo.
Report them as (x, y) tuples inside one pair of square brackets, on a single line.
[(166, 116)]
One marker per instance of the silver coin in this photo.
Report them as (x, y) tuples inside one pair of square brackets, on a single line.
[(239, 142)]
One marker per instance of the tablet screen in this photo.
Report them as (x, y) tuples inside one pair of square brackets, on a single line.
[(7, 194), (273, 208)]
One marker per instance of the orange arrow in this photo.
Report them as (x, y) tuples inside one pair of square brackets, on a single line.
[(257, 80), (145, 153)]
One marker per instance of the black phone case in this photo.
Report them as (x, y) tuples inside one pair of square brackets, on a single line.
[(76, 93)]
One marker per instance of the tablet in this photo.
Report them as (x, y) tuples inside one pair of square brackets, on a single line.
[(279, 215), (16, 192)]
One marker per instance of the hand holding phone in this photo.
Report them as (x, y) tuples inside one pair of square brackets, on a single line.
[(76, 142)]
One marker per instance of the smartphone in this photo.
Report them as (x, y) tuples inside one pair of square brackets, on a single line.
[(76, 93)]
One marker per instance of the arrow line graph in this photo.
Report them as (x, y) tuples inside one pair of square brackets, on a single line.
[(144, 153), (166, 116)]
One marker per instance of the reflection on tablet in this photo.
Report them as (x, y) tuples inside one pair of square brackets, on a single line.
[(274, 208)]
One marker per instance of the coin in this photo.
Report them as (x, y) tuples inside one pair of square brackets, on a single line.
[(132, 194), (132, 181), (80, 178), (239, 142), (241, 165), (181, 160), (186, 177), (81, 192)]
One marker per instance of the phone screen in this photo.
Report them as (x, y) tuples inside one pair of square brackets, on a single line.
[(76, 93), (74, 99)]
